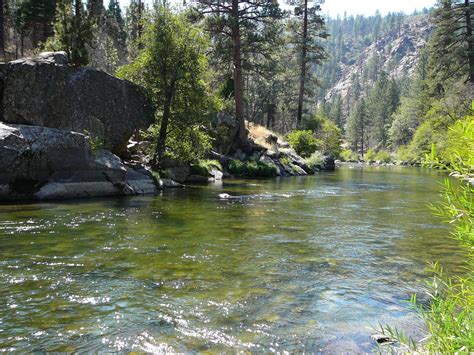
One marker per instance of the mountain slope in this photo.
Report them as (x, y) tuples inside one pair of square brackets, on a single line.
[(395, 53)]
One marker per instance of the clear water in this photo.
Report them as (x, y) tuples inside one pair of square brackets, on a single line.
[(293, 264)]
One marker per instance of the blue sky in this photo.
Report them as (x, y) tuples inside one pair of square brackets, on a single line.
[(353, 7)]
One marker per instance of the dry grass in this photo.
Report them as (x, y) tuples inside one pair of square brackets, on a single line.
[(259, 135)]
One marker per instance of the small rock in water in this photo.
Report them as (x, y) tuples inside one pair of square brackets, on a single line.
[(382, 339), (225, 196)]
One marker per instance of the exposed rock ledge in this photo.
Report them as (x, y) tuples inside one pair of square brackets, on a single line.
[(45, 91), (47, 163)]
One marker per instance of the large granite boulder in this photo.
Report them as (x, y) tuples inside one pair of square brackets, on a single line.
[(45, 91), (48, 163)]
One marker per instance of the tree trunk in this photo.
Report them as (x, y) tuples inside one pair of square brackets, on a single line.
[(161, 143), (139, 24), (303, 64), (238, 79), (271, 115), (2, 30), (470, 41)]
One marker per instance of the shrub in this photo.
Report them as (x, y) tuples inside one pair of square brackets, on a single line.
[(459, 147), (285, 160), (383, 156), (95, 143), (349, 155), (185, 145), (326, 131), (404, 153), (251, 168), (303, 142), (315, 160), (370, 155), (449, 315), (204, 167)]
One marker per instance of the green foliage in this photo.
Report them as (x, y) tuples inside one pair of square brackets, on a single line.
[(331, 137), (304, 142), (458, 158), (95, 143), (459, 150), (357, 126), (285, 161), (72, 32), (173, 68), (32, 13), (204, 167), (450, 55), (382, 102), (251, 168), (449, 315), (326, 131), (405, 154), (383, 156), (349, 156), (185, 145), (370, 155), (315, 160)]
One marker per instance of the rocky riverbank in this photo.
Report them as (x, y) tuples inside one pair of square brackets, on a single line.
[(65, 133), (61, 129)]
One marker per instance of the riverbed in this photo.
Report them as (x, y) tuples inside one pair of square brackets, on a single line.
[(301, 264)]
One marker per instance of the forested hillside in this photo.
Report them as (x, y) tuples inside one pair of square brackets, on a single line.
[(361, 48)]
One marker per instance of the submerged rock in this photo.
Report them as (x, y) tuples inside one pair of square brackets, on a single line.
[(48, 163), (169, 184), (45, 91)]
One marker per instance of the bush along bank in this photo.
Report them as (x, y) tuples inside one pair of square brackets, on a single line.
[(267, 155), (449, 314)]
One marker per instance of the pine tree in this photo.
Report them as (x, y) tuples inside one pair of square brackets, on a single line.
[(34, 17), (72, 32), (411, 112), (357, 127), (134, 24), (115, 12), (311, 52), (452, 45), (95, 9), (335, 111), (239, 22), (382, 102)]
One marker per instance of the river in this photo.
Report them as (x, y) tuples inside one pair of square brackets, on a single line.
[(307, 264)]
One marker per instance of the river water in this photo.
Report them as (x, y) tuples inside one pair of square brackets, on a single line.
[(307, 264)]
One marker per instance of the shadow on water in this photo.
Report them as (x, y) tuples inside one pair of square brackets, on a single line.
[(297, 264)]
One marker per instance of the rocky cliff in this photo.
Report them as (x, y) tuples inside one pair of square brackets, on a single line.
[(396, 53)]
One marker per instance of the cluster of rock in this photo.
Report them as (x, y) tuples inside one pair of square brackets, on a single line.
[(48, 112)]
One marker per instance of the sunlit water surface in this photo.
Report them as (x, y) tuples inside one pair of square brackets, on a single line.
[(293, 264)]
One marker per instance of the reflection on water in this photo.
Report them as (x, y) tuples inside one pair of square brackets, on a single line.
[(308, 264)]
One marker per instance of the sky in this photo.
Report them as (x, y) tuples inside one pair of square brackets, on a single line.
[(354, 7)]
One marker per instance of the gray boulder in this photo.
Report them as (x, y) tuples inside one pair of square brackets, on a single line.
[(328, 163), (45, 91), (179, 173), (47, 163)]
